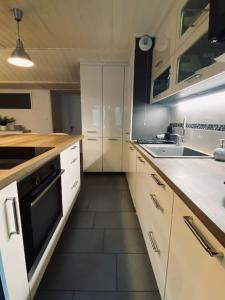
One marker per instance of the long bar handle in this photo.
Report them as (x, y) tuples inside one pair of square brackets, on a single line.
[(141, 160), (74, 160), (131, 148), (153, 242), (200, 237), (156, 202), (11, 216), (91, 131), (73, 148), (193, 78), (75, 184), (156, 179), (47, 188)]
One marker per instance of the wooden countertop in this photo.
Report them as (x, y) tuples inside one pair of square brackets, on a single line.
[(59, 142), (199, 183)]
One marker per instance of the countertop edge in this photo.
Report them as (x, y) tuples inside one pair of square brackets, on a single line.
[(21, 171), (210, 225)]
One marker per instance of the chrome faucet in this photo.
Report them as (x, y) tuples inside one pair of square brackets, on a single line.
[(180, 138)]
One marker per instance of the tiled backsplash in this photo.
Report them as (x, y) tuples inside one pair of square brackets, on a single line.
[(205, 120)]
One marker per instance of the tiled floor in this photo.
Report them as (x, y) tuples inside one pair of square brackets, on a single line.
[(101, 254)]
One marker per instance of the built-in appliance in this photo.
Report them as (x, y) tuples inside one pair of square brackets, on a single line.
[(217, 21), (13, 156), (40, 200)]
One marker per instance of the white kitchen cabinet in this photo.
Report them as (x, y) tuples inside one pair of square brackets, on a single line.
[(190, 15), (192, 272), (91, 99), (113, 94), (112, 154), (131, 174), (11, 244), (70, 162), (92, 154), (154, 203)]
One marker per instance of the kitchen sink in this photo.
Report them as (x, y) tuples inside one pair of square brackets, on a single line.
[(173, 151)]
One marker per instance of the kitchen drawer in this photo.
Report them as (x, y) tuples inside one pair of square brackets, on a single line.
[(70, 155)]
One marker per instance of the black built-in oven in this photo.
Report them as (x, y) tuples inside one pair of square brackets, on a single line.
[(40, 199)]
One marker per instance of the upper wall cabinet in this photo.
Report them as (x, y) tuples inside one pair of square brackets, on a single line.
[(91, 93), (191, 13), (164, 43), (197, 61), (113, 94)]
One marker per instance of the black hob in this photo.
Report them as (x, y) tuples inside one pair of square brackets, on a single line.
[(14, 156)]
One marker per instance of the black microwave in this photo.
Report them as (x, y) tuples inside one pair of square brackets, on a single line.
[(217, 21)]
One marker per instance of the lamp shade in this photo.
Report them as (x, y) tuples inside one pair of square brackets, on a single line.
[(19, 57)]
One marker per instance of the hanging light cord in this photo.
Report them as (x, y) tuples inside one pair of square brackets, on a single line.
[(18, 30)]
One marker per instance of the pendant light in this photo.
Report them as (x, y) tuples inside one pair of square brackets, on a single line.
[(19, 57)]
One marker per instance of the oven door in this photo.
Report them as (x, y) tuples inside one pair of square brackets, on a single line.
[(40, 214)]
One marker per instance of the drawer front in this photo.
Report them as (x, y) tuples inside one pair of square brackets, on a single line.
[(70, 155), (196, 268)]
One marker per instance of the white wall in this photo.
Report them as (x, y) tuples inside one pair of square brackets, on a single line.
[(207, 109), (39, 118)]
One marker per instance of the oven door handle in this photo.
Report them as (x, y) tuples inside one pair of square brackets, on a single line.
[(35, 201)]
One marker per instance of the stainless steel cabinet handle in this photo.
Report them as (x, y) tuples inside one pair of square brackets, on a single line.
[(156, 179), (153, 242), (11, 216), (131, 148), (127, 132), (112, 139), (156, 202), (200, 237), (74, 160), (193, 78), (75, 184), (91, 131), (141, 160), (92, 139), (73, 148)]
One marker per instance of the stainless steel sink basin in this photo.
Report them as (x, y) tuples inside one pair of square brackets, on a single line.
[(173, 151)]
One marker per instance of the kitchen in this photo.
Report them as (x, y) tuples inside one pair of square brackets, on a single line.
[(112, 150)]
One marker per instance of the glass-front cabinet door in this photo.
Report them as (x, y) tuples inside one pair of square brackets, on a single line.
[(190, 15), (200, 55), (161, 84)]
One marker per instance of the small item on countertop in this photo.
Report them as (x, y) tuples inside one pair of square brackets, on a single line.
[(219, 153), (169, 129), (160, 136)]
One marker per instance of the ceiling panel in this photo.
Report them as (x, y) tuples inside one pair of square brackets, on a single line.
[(58, 34)]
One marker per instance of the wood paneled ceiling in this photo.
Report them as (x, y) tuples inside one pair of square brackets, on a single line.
[(59, 33)]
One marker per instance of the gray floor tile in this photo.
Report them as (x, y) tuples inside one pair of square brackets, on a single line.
[(116, 220), (81, 240), (117, 296), (81, 219), (124, 241), (105, 181), (54, 295), (110, 204), (134, 273), (83, 272)]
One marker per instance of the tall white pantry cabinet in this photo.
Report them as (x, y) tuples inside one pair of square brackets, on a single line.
[(102, 102)]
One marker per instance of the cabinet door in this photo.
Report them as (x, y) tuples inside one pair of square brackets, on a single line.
[(91, 100), (112, 154), (92, 154), (192, 272), (191, 13), (113, 93), (70, 162), (11, 244), (196, 62), (131, 175)]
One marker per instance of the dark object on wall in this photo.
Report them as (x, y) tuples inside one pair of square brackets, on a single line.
[(15, 101), (217, 21)]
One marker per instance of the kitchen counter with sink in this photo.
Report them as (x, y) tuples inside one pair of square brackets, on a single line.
[(47, 147), (198, 182)]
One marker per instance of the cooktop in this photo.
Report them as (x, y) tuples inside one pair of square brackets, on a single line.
[(14, 156)]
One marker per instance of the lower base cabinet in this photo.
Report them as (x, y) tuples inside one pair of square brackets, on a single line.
[(11, 245), (92, 154), (112, 154), (192, 272)]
